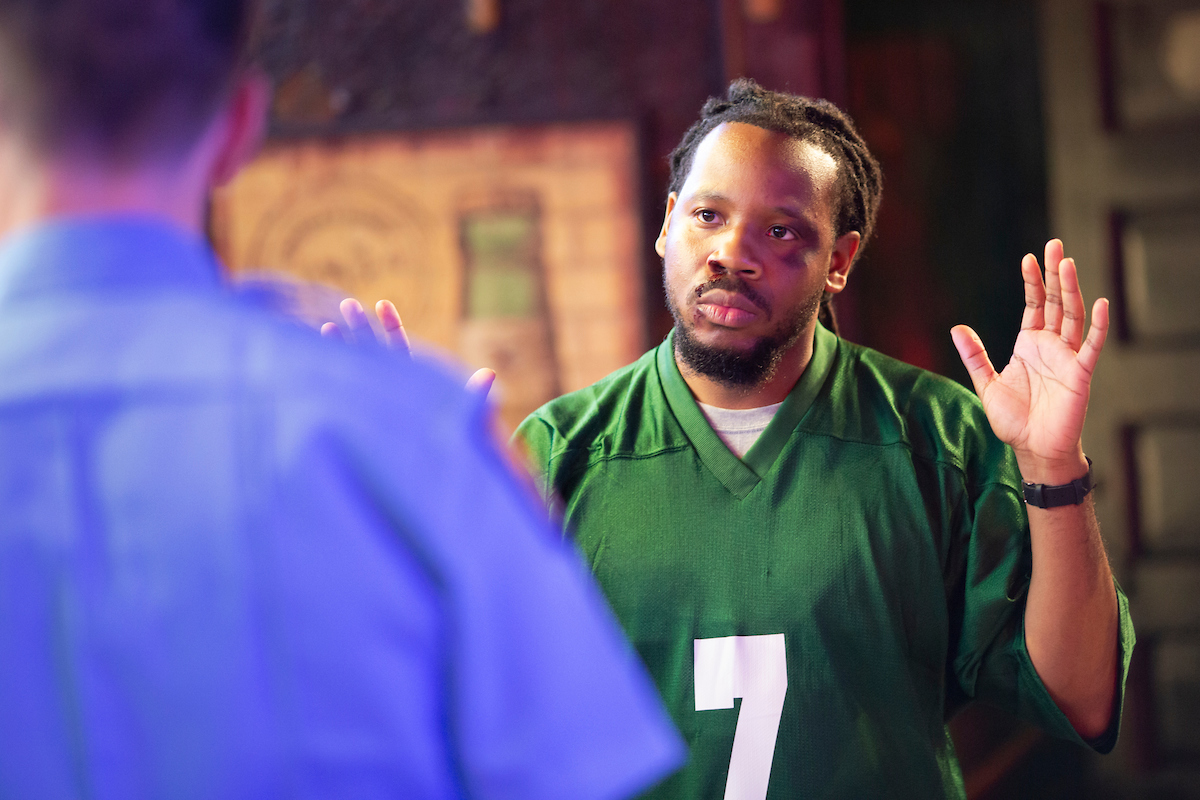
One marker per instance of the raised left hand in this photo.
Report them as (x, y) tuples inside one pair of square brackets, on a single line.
[(1037, 404)]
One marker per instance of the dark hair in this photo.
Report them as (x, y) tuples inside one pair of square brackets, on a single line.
[(124, 77), (859, 181)]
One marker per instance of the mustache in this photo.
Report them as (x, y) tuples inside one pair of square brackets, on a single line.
[(733, 285)]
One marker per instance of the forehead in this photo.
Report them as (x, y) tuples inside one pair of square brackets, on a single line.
[(739, 157)]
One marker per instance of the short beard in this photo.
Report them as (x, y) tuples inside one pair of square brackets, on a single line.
[(738, 368)]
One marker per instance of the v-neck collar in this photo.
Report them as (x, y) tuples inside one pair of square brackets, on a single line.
[(738, 475)]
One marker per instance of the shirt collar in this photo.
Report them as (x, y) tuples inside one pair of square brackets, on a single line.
[(82, 255), (741, 475)]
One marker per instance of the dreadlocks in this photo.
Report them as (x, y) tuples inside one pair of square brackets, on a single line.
[(859, 181)]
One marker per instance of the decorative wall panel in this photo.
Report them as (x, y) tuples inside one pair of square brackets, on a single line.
[(1168, 463), (1177, 682), (1160, 257), (513, 248), (1156, 61)]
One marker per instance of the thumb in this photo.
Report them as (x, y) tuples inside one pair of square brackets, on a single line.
[(974, 357)]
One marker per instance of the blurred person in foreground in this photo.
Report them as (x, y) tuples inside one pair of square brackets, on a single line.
[(237, 560)]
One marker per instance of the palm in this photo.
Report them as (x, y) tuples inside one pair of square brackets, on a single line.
[(1038, 402)]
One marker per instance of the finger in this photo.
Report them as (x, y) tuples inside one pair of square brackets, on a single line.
[(1089, 353), (1072, 304), (481, 381), (1034, 317), (1054, 254), (974, 357), (393, 328), (356, 318), (330, 330)]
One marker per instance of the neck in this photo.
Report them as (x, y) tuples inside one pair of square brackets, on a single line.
[(772, 389), (77, 185)]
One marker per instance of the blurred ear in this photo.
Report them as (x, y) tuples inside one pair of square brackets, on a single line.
[(245, 126), (844, 250), (660, 244), (12, 157)]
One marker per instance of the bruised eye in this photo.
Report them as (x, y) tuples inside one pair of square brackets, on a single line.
[(780, 232)]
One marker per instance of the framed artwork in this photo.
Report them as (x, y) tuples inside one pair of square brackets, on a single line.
[(1150, 54), (515, 248)]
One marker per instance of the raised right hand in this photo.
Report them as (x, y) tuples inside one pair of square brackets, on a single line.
[(394, 336)]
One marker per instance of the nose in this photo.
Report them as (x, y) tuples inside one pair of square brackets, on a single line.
[(734, 252)]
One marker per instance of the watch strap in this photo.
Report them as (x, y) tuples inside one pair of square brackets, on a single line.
[(1040, 495)]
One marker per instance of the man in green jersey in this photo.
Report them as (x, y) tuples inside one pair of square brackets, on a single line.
[(819, 552)]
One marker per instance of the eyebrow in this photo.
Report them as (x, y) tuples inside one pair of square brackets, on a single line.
[(791, 212), (708, 197)]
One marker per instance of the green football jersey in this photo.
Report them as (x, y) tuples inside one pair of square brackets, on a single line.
[(814, 612)]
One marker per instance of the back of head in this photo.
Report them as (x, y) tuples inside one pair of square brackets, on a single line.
[(120, 79), (860, 181)]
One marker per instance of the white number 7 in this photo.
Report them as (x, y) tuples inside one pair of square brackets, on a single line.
[(753, 668)]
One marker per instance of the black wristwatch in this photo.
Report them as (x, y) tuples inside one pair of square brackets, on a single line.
[(1040, 495)]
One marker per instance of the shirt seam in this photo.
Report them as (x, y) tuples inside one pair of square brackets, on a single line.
[(599, 458), (916, 454), (962, 473)]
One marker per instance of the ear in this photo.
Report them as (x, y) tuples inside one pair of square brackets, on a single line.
[(660, 244), (245, 126), (12, 158), (844, 250)]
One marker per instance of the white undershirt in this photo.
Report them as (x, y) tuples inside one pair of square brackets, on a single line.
[(739, 428)]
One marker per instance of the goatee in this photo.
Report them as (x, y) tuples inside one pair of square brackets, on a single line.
[(740, 368)]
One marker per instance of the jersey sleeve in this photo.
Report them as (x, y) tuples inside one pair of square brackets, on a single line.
[(991, 573), (533, 442), (546, 698)]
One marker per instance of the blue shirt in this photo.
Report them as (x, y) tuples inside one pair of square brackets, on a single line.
[(237, 560)]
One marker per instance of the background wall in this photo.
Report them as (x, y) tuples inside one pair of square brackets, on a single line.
[(948, 96), (354, 66), (1122, 85)]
